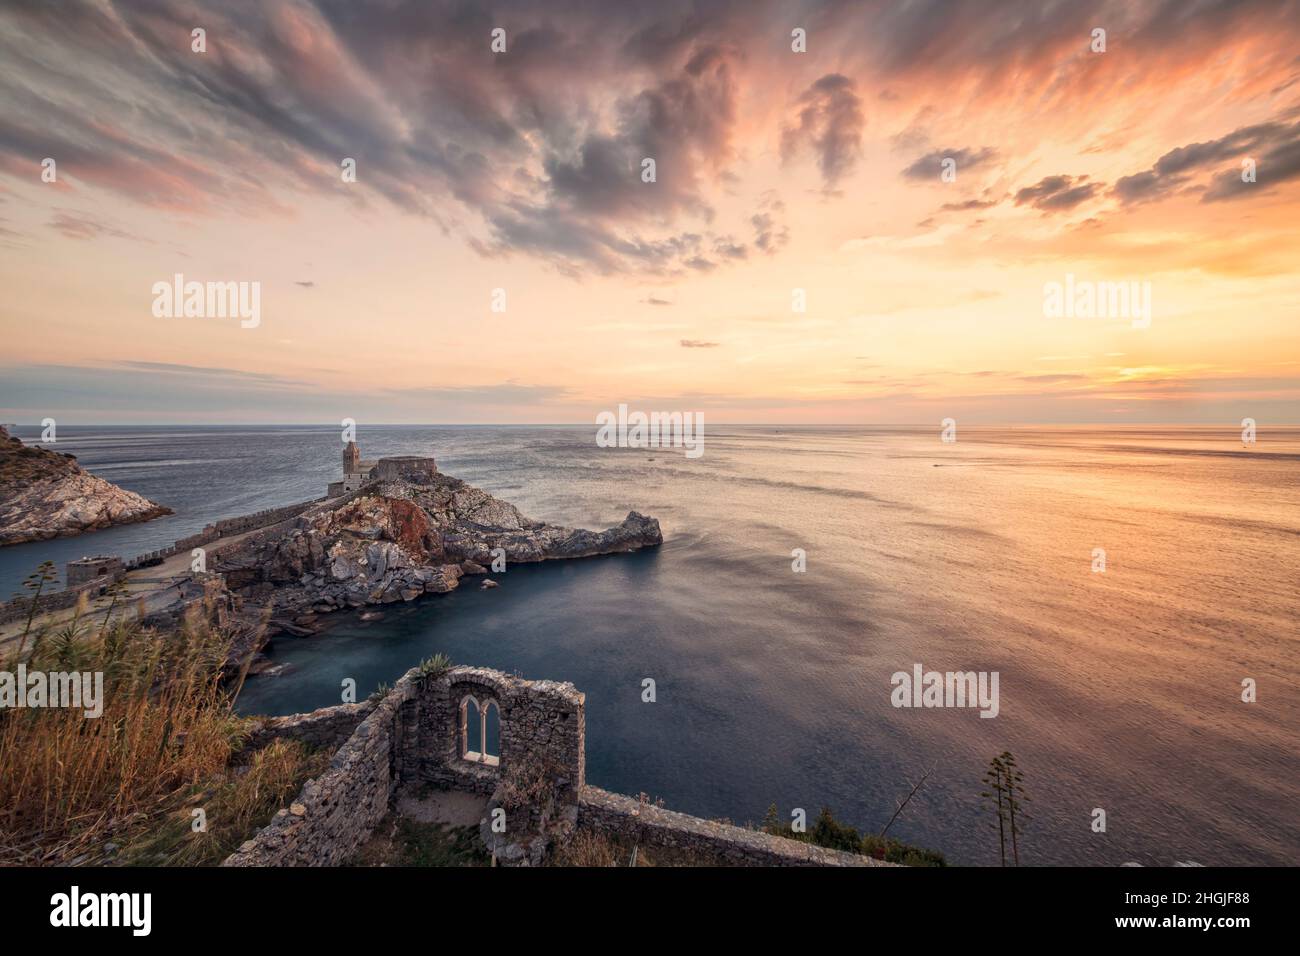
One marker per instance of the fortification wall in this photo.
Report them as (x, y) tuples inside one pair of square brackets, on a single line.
[(715, 843), (406, 468), (225, 528), (327, 728), (18, 608), (412, 738), (335, 812)]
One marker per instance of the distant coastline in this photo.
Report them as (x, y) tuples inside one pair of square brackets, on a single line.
[(45, 494)]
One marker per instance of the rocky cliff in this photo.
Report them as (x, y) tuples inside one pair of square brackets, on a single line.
[(401, 539), (44, 494)]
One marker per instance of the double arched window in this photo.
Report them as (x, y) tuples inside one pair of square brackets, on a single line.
[(480, 731)]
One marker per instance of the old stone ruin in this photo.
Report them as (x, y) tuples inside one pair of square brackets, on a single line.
[(99, 569), (358, 471), (519, 743), (89, 576)]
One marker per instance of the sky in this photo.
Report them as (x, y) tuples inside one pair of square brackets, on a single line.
[(782, 178)]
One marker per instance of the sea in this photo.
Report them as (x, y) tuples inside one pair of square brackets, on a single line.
[(1136, 590)]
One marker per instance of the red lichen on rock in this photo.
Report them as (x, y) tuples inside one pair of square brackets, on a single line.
[(396, 519)]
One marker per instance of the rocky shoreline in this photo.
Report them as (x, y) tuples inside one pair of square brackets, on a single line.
[(45, 494), (394, 541)]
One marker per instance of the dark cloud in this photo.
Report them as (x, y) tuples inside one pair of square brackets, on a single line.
[(1057, 193), (547, 157), (1274, 146), (535, 152), (830, 123), (1279, 164), (929, 166), (968, 205), (1143, 187)]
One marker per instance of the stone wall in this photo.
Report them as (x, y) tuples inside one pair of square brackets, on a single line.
[(405, 468), (540, 721), (336, 812), (705, 841), (411, 738), (225, 528), (18, 608), (90, 570), (327, 728)]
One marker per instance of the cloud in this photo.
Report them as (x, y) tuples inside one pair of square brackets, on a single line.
[(546, 159), (506, 393), (84, 226), (930, 166), (522, 154), (698, 344), (206, 371), (830, 123), (969, 205), (1279, 163), (770, 232), (1058, 193), (158, 391), (1275, 146)]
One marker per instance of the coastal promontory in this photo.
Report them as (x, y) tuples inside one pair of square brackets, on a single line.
[(45, 494), (394, 540)]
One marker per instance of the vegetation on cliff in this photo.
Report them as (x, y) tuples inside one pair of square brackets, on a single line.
[(828, 832), (46, 494), (26, 463), (122, 787)]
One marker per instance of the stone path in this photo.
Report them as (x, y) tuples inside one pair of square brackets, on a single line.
[(155, 585), (453, 807)]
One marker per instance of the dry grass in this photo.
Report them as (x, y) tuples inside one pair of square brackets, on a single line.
[(69, 783), (244, 799), (587, 848), (21, 464)]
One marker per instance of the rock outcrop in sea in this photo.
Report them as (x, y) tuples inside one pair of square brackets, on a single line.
[(45, 494), (396, 540)]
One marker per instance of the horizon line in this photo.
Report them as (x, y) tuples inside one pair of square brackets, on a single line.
[(359, 426)]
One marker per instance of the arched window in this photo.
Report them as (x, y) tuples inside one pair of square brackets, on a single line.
[(480, 731)]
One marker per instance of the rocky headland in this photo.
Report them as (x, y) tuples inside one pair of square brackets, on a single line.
[(397, 540), (45, 494)]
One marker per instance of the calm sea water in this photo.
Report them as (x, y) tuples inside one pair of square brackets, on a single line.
[(1118, 691)]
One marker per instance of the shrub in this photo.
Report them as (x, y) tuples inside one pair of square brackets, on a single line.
[(828, 832), (434, 666), (69, 783)]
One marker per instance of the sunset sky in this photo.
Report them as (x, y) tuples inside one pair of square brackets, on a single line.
[(776, 171)]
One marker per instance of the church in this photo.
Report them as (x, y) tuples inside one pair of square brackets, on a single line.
[(358, 471)]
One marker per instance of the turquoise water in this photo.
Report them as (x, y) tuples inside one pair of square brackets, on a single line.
[(1118, 691)]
